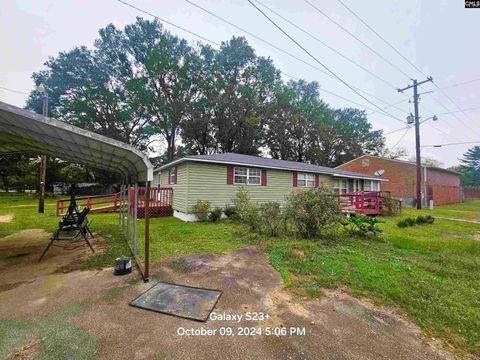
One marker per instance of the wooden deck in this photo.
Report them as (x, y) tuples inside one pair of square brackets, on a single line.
[(362, 202), (161, 200)]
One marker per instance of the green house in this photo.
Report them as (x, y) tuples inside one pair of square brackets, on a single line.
[(217, 177)]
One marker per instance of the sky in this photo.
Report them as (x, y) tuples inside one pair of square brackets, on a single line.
[(435, 36)]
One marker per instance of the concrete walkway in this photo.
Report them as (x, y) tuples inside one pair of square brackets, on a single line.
[(455, 219)]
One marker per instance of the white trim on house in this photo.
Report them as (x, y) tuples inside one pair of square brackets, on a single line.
[(185, 217), (359, 177), (164, 167)]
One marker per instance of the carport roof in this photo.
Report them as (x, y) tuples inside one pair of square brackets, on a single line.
[(23, 131)]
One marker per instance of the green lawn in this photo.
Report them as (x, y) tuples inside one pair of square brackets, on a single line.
[(168, 236), (429, 272)]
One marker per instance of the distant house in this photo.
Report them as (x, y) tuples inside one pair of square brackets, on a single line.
[(217, 177), (440, 185)]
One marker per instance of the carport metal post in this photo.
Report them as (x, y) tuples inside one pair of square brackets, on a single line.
[(128, 211), (135, 213), (120, 206), (123, 208), (147, 230)]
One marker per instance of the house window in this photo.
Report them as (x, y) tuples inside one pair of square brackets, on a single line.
[(367, 185), (247, 176), (372, 185), (365, 162), (306, 180), (172, 175), (342, 186)]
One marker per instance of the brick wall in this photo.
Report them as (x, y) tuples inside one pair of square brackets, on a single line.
[(401, 177), (443, 194), (472, 192)]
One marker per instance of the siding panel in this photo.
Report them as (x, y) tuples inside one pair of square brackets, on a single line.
[(209, 182)]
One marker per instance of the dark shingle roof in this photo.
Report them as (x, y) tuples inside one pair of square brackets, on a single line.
[(259, 161)]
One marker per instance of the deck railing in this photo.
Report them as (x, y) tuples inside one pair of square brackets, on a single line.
[(109, 203), (368, 203), (161, 201)]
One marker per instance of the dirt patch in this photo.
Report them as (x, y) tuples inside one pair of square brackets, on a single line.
[(337, 326), (28, 350), (476, 236), (6, 218), (24, 238), (20, 253), (299, 252)]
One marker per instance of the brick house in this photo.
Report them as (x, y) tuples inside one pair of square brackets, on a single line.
[(440, 185)]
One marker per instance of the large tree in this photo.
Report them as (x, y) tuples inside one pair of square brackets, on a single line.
[(89, 88), (346, 136), (230, 111), (294, 119), (166, 80), (470, 166)]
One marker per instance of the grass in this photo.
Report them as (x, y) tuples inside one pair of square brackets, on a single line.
[(59, 338), (468, 210), (430, 272), (169, 237)]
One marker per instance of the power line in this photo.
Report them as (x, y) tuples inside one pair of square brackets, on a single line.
[(395, 131), (168, 22), (332, 93), (453, 102), (327, 46), (355, 89), (457, 111), (401, 138), (14, 91), (215, 43), (381, 37), (405, 58), (298, 59), (389, 106), (449, 144), (358, 39), (443, 132), (460, 84), (318, 61)]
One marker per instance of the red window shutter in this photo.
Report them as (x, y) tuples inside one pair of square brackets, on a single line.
[(175, 174), (264, 177), (295, 179), (169, 174), (229, 175), (317, 180)]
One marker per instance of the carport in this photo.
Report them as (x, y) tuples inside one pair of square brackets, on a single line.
[(22, 131)]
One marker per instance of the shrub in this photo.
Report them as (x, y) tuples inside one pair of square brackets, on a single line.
[(419, 220), (215, 215), (361, 224), (391, 206), (247, 211), (201, 209), (312, 211), (425, 219), (230, 211), (406, 222), (272, 217)]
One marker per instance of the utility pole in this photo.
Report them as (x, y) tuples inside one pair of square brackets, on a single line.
[(43, 158), (417, 137)]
